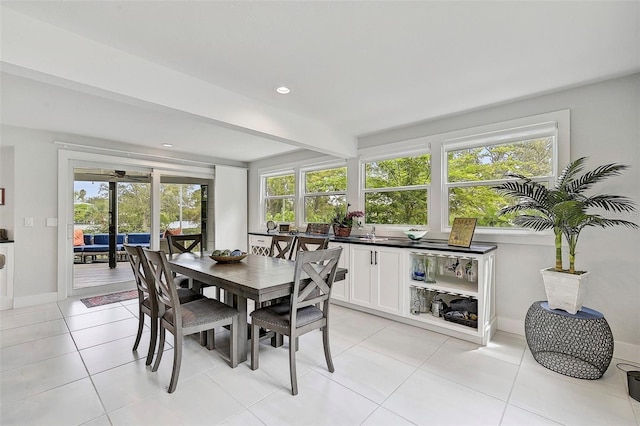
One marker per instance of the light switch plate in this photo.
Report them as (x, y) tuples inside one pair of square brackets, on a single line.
[(52, 221), (28, 221)]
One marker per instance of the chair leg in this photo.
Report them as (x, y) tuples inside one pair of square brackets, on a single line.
[(292, 366), (327, 349), (152, 342), (160, 350), (177, 360), (140, 328), (233, 343), (255, 341)]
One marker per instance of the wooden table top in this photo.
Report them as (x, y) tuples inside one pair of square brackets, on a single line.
[(255, 277)]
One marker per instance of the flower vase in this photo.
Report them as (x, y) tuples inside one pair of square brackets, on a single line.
[(341, 231)]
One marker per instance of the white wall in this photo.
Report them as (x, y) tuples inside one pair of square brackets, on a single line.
[(230, 206), (35, 187), (605, 125), (35, 194)]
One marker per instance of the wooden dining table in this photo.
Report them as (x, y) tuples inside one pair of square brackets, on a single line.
[(259, 278)]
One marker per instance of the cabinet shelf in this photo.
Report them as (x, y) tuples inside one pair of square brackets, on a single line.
[(449, 285), (440, 322)]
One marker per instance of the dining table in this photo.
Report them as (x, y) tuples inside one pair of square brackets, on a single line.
[(257, 278)]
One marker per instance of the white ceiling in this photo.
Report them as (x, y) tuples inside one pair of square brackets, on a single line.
[(206, 71)]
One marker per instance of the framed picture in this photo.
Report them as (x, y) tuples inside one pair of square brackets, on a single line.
[(462, 231), (1, 196)]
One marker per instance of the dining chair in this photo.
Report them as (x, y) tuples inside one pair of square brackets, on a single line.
[(281, 245), (147, 299), (188, 318), (188, 243), (306, 310), (308, 244)]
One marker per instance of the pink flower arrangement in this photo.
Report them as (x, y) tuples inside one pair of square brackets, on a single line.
[(348, 219)]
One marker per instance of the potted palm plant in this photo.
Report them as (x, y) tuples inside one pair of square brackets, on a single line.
[(566, 209)]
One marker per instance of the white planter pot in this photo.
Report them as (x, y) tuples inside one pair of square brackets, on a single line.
[(565, 291)]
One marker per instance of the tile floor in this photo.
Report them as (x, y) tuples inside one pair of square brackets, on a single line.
[(64, 364)]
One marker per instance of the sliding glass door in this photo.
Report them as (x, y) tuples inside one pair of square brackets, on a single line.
[(109, 206)]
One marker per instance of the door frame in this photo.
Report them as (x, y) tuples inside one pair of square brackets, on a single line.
[(67, 161)]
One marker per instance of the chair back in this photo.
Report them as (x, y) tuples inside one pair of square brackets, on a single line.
[(184, 243), (308, 244), (167, 293), (280, 246), (313, 279), (142, 273)]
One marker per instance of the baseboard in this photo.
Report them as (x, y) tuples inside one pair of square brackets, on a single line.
[(36, 299), (627, 352), (510, 325), (621, 350)]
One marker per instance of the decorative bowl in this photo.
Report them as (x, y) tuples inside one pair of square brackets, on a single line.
[(228, 259), (415, 235)]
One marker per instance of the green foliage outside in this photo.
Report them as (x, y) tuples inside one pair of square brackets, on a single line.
[(392, 205), (531, 158), (396, 190), (280, 209), (134, 207), (324, 207)]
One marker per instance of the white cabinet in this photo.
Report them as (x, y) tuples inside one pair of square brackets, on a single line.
[(461, 279), (259, 244), (377, 279), (6, 276), (342, 288)]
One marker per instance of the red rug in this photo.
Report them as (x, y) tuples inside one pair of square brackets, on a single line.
[(92, 302)]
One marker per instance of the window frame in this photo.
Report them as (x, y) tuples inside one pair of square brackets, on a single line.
[(411, 151), (264, 197), (302, 188), (555, 124)]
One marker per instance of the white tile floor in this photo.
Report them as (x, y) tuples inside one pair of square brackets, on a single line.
[(64, 364)]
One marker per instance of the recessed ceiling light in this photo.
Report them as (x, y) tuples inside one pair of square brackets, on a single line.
[(283, 90), (167, 145)]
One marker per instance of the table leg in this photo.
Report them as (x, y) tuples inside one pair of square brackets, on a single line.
[(240, 303)]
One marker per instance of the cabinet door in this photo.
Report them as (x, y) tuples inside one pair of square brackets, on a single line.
[(341, 289), (259, 244), (388, 267), (361, 275)]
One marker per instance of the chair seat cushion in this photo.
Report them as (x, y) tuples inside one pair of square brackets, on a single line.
[(279, 313), (186, 295), (202, 311)]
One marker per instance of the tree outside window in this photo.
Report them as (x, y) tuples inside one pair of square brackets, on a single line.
[(325, 194), (279, 203), (473, 172), (396, 190)]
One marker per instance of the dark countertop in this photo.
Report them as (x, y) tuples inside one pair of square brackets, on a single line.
[(441, 245), (6, 241)]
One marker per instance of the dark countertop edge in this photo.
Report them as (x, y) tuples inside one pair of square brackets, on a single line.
[(441, 245), (6, 241)]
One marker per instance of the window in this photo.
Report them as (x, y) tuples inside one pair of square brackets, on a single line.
[(279, 198), (396, 190), (324, 194), (474, 165)]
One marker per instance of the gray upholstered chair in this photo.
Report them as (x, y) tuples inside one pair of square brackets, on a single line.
[(281, 245), (147, 300), (306, 310), (308, 244), (183, 319)]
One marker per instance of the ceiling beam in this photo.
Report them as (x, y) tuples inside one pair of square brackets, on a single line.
[(34, 48)]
